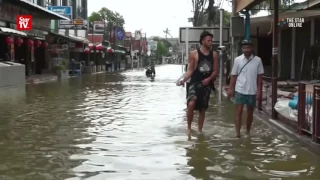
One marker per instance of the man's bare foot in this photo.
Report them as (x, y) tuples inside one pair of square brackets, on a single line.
[(189, 132), (238, 136)]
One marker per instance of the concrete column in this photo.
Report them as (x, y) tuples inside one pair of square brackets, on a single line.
[(293, 53), (279, 52), (312, 36)]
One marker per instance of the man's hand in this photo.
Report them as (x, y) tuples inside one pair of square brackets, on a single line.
[(230, 92), (258, 95), (180, 83), (206, 81)]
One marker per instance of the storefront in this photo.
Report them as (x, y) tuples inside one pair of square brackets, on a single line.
[(26, 47)]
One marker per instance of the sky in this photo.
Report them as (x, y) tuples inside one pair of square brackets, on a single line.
[(153, 16)]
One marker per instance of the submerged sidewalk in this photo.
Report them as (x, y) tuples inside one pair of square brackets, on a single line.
[(279, 126)]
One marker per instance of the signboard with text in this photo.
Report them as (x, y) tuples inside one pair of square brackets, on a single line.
[(74, 24), (62, 10)]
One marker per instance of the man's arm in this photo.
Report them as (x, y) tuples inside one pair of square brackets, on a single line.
[(190, 66), (260, 73), (234, 75), (215, 66)]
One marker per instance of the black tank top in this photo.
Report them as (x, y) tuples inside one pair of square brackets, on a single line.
[(204, 67)]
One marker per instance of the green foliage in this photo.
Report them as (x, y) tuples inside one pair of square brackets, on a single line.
[(162, 47), (162, 50), (106, 14), (94, 17), (62, 66)]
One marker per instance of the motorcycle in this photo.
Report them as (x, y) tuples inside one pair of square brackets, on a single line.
[(150, 72)]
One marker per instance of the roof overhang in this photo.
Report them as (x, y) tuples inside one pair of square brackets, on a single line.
[(264, 22), (12, 31), (36, 8), (66, 37), (246, 4)]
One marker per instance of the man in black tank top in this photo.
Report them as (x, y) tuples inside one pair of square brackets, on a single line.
[(203, 68)]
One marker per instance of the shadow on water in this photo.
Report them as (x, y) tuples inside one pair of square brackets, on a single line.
[(127, 126)]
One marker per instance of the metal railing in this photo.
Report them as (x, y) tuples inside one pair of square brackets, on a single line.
[(309, 112), (263, 100)]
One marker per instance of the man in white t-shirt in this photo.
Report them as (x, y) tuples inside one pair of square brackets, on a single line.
[(246, 75)]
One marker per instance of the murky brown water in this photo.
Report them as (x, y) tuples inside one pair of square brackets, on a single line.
[(126, 126)]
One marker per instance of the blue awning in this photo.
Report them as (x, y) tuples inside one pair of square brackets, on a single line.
[(36, 8)]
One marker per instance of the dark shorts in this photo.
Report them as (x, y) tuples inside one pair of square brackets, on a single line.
[(201, 94), (243, 99), (187, 89)]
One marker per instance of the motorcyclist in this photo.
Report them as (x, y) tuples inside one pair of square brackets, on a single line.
[(152, 67)]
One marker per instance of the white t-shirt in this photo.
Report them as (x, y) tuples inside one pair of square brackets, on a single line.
[(247, 80)]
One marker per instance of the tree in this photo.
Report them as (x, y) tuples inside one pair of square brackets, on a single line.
[(162, 50), (94, 17), (209, 15), (268, 5), (164, 42), (105, 14)]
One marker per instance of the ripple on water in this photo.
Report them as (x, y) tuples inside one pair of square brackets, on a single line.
[(123, 126)]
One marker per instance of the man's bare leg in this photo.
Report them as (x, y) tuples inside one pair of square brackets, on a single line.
[(239, 109), (201, 120), (249, 118), (190, 113)]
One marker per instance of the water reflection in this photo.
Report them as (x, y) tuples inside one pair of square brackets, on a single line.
[(127, 126)]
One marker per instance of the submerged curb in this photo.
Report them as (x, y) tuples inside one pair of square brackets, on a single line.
[(304, 141)]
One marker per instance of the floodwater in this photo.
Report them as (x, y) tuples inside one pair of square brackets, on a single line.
[(125, 126)]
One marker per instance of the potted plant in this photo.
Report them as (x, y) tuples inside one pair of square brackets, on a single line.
[(62, 69)]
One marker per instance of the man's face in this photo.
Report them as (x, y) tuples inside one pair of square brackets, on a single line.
[(247, 50), (207, 41)]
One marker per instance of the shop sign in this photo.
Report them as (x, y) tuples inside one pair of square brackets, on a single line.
[(73, 24)]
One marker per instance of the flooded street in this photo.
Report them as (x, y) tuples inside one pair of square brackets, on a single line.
[(125, 126)]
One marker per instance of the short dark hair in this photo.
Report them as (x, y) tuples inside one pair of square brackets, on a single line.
[(246, 42), (205, 34)]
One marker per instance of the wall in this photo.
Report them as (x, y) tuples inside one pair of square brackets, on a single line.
[(302, 42), (286, 47), (16, 74)]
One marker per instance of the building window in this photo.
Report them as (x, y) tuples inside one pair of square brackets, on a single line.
[(40, 2), (65, 3)]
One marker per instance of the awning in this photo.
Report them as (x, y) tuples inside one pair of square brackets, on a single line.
[(36, 8), (120, 51), (297, 14), (83, 39), (67, 37), (12, 31), (264, 22), (246, 4)]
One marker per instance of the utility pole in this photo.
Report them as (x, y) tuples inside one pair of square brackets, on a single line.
[(275, 58), (233, 45), (221, 56)]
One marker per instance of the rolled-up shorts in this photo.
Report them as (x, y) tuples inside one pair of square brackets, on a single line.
[(244, 99), (187, 89), (201, 94)]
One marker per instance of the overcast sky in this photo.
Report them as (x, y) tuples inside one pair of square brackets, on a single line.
[(152, 16)]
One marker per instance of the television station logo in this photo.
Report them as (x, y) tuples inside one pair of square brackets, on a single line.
[(24, 22), (291, 22)]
